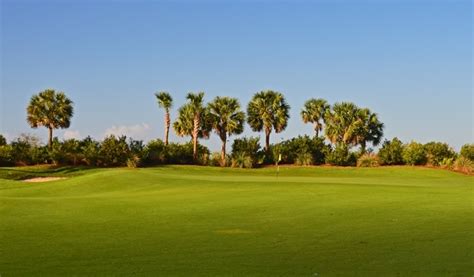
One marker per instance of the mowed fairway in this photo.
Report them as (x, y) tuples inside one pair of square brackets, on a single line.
[(202, 221)]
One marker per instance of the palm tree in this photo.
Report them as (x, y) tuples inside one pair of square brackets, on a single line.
[(184, 124), (342, 123), (314, 111), (350, 125), (193, 120), (165, 101), (266, 111), (226, 119), (370, 129), (50, 109), (196, 101)]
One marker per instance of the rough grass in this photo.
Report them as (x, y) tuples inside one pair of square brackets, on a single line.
[(201, 221)]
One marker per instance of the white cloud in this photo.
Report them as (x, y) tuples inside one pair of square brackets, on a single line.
[(138, 131), (71, 134)]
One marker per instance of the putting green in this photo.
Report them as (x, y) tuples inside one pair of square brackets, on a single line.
[(202, 221)]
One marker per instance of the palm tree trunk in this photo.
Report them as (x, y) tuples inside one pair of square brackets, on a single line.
[(195, 136), (50, 140), (316, 129), (224, 142), (267, 138), (167, 128), (362, 147)]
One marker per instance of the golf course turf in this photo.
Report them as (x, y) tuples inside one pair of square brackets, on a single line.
[(204, 221)]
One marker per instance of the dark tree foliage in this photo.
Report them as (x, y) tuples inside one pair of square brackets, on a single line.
[(246, 152), (114, 151), (467, 151), (391, 152), (414, 153), (302, 150), (341, 156), (436, 152), (3, 140)]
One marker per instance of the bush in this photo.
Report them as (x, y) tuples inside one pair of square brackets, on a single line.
[(467, 151), (3, 140), (136, 147), (292, 151), (6, 155), (154, 153), (341, 156), (26, 150), (246, 152), (183, 154), (414, 153), (464, 164), (90, 151), (437, 151), (68, 152), (391, 152), (368, 160), (114, 151)]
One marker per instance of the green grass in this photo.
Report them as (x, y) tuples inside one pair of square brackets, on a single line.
[(201, 221)]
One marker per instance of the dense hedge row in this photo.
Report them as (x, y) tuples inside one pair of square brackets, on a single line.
[(246, 153)]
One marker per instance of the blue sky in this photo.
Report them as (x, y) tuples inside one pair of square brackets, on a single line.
[(409, 61)]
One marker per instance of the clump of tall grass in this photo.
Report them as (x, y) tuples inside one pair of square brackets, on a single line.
[(464, 164), (368, 160), (242, 160), (304, 159)]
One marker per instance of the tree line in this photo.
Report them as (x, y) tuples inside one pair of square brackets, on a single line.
[(343, 134)]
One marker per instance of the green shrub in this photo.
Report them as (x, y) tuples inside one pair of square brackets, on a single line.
[(154, 153), (437, 151), (136, 147), (27, 150), (464, 164), (3, 140), (301, 146), (368, 160), (391, 152), (414, 153), (467, 151), (68, 152), (114, 151), (341, 156), (6, 155), (90, 151), (246, 152), (183, 154)]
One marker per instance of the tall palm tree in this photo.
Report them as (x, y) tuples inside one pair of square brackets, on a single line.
[(184, 124), (165, 101), (313, 112), (350, 125), (50, 109), (193, 120), (268, 111), (226, 119), (342, 123), (196, 101), (370, 129)]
